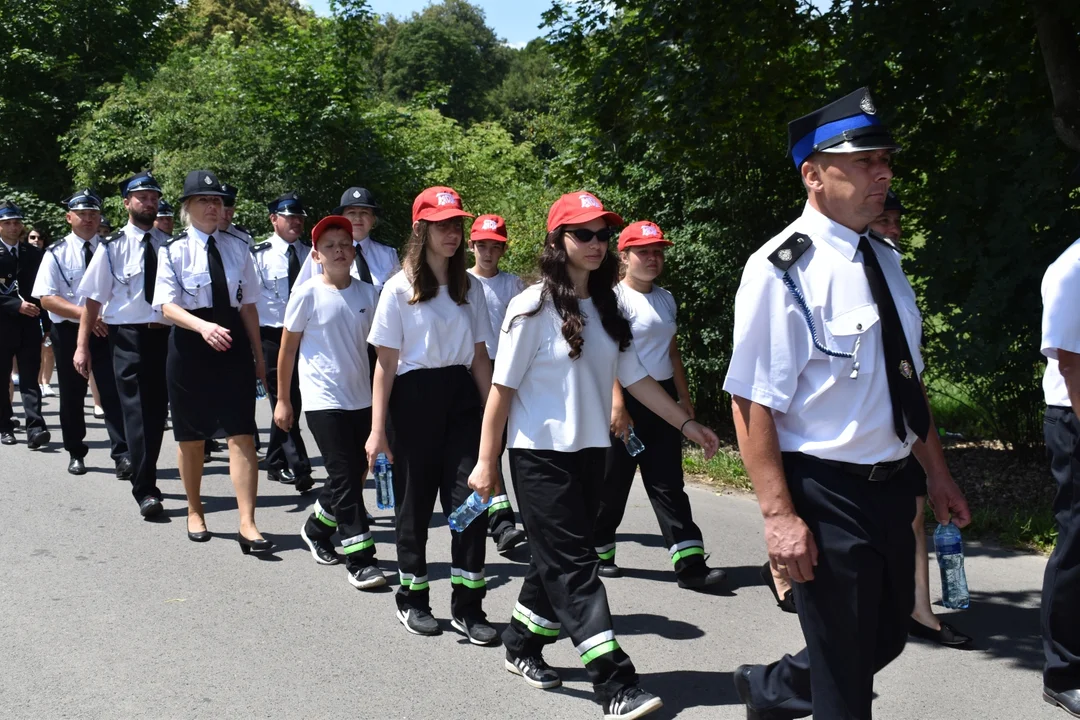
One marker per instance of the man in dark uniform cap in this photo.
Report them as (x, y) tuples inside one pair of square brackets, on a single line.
[(164, 221), (20, 327), (828, 406), (229, 212)]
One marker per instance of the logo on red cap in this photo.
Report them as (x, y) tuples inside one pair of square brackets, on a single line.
[(490, 224), (445, 198), (650, 231), (588, 201)]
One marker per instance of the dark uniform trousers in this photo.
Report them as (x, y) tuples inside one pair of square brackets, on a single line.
[(500, 512), (437, 416), (856, 611), (1061, 582), (341, 435), (73, 386), (285, 450), (661, 472), (139, 352), (558, 497), (20, 338)]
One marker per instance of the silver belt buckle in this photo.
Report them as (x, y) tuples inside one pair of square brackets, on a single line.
[(879, 473)]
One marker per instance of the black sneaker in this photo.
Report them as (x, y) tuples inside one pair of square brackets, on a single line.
[(631, 702), (419, 622), (534, 670), (367, 578), (701, 576), (610, 570), (475, 628), (509, 539), (7, 438), (321, 550)]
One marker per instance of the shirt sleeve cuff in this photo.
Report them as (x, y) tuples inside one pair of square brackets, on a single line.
[(762, 396)]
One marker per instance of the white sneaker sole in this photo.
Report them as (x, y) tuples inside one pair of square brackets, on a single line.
[(460, 627), (377, 581), (646, 709), (533, 683), (314, 554), (404, 620)]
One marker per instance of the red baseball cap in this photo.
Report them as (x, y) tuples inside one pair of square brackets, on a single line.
[(645, 232), (488, 227), (579, 207), (437, 203), (330, 221)]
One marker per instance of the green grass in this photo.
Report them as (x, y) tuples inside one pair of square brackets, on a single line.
[(1027, 529), (725, 469)]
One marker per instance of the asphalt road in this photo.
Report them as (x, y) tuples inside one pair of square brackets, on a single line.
[(107, 615)]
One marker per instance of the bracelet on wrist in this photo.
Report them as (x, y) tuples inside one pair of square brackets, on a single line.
[(683, 426)]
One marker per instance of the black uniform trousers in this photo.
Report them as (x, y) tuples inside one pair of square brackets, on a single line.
[(341, 435), (558, 497), (21, 340), (139, 352), (856, 611), (1061, 581), (437, 416), (662, 474), (73, 387), (286, 450), (500, 512)]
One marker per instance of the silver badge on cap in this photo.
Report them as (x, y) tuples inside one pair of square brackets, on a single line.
[(207, 180), (356, 193), (867, 104), (784, 255)]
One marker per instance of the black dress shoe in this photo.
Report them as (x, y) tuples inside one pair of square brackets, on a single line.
[(77, 466), (701, 576), (787, 604), (741, 677), (1067, 700), (7, 438), (150, 506), (123, 469), (304, 482), (200, 536), (282, 476), (249, 546), (41, 437), (947, 635), (509, 539)]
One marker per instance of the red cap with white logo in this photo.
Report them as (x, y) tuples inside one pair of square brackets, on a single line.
[(579, 207), (437, 203), (488, 227), (645, 232)]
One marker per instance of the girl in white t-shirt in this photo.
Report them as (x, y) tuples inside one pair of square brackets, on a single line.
[(563, 343), (327, 319), (430, 330), (487, 241), (651, 312)]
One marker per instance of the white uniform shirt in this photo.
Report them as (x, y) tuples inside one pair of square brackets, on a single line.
[(183, 275), (498, 291), (272, 266), (560, 404), (333, 367), (237, 232), (818, 408), (652, 320), (61, 271), (116, 277), (435, 333), (382, 262), (1060, 320)]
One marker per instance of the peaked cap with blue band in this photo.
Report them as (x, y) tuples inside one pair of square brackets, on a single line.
[(84, 199), (139, 181), (10, 211), (287, 204), (231, 191), (164, 209), (847, 125)]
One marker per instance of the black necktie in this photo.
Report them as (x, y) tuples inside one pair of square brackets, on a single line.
[(905, 390), (149, 269), (294, 265), (87, 253), (362, 266), (219, 285)]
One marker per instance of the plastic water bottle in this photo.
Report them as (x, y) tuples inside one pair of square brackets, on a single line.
[(473, 507), (634, 446), (260, 390), (384, 483), (950, 556)]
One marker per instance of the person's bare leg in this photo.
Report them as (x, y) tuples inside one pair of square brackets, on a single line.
[(48, 362), (189, 458), (244, 471), (782, 584), (922, 612), (94, 391), (11, 382)]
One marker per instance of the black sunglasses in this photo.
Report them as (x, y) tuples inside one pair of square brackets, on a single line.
[(584, 235)]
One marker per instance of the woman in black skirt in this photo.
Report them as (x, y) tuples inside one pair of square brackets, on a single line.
[(206, 285)]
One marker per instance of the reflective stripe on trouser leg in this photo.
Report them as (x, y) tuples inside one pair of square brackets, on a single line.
[(599, 644), (324, 516), (471, 580), (606, 552), (413, 583), (499, 502), (686, 549), (536, 624), (357, 543)]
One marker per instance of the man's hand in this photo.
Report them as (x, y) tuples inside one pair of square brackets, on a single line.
[(100, 328), (792, 550), (29, 309), (82, 361), (946, 500)]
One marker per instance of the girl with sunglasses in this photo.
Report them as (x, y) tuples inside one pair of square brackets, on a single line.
[(563, 344)]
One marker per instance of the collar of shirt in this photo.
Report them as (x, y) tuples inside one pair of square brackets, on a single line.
[(77, 242), (199, 235), (282, 246), (137, 233), (14, 249), (365, 243), (842, 239)]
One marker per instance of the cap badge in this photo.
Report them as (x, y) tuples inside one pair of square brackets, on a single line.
[(784, 255), (906, 370), (207, 180), (149, 174), (650, 231), (446, 198), (356, 193), (490, 225), (867, 104), (588, 201)]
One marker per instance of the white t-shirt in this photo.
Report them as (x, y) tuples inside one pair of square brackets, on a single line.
[(498, 291), (435, 333), (652, 320), (560, 404), (1060, 320), (334, 370)]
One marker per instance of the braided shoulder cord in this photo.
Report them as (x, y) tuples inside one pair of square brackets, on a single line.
[(801, 302)]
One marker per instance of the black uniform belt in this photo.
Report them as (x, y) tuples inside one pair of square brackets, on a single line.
[(145, 326), (872, 473)]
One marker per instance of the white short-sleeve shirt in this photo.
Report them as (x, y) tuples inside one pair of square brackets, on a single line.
[(116, 277), (560, 404), (652, 320), (498, 291), (1060, 321), (61, 272), (183, 275), (382, 261), (819, 409), (333, 367), (271, 260), (435, 333)]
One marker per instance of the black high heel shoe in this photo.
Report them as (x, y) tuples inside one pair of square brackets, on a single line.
[(247, 546), (200, 537), (788, 603)]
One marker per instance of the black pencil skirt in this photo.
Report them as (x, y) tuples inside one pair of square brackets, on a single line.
[(210, 391)]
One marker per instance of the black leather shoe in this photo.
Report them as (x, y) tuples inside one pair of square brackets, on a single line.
[(947, 635), (1067, 700), (123, 469), (77, 466), (509, 539), (7, 438), (304, 482), (700, 576), (150, 506), (199, 537), (741, 677), (609, 570), (282, 476), (249, 546), (40, 438)]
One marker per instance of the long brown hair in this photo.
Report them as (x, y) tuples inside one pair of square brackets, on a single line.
[(424, 283), (558, 286)]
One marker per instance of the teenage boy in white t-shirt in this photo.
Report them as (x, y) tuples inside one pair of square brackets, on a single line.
[(487, 241), (328, 319)]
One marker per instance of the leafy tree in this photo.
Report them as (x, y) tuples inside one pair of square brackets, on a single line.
[(242, 18), (529, 90)]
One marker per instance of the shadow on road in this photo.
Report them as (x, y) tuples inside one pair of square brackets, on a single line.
[(659, 625), (684, 689)]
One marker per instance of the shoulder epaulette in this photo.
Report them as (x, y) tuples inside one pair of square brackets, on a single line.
[(180, 236), (882, 239), (55, 247), (790, 251), (115, 236), (264, 245), (244, 230)]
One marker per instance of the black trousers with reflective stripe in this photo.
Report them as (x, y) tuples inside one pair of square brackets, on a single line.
[(1061, 581), (558, 495), (341, 435), (662, 475), (138, 355), (22, 342), (437, 416), (73, 387), (285, 450), (856, 611), (501, 519)]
